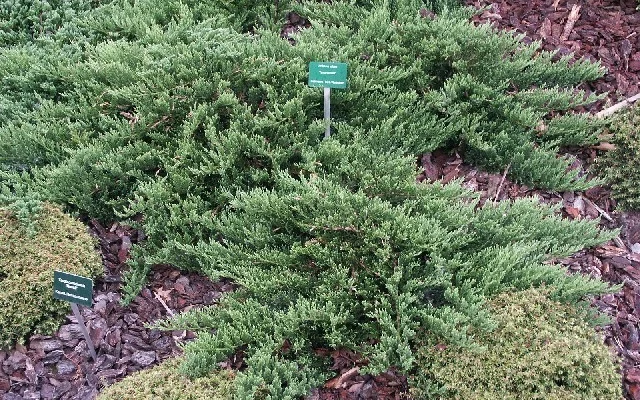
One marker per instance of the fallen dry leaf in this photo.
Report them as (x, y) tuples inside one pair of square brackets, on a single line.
[(572, 211), (338, 381), (164, 294)]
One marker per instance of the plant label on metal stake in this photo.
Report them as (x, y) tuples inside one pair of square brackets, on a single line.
[(76, 290), (327, 75)]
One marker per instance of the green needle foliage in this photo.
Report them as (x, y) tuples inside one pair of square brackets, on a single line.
[(142, 78), (166, 111), (322, 266), (23, 21), (195, 120)]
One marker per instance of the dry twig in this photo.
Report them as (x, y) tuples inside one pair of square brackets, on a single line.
[(164, 304), (504, 175), (618, 106), (604, 146), (600, 210), (619, 243), (338, 381), (574, 15)]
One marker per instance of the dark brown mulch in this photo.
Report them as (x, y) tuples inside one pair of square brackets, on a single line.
[(350, 384), (59, 366), (294, 23), (613, 262), (605, 30)]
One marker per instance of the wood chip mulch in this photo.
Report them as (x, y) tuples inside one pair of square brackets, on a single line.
[(59, 367), (599, 30), (617, 261)]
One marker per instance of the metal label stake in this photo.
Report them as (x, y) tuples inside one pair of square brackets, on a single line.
[(85, 332), (76, 290), (327, 112), (327, 75)]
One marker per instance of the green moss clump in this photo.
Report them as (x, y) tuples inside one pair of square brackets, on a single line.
[(540, 349), (622, 166), (165, 382), (27, 263)]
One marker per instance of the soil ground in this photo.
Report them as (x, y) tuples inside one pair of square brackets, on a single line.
[(59, 366)]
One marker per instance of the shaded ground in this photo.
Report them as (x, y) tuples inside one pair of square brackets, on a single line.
[(59, 367)]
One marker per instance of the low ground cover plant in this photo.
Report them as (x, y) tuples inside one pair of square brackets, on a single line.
[(27, 263), (621, 167), (540, 349), (320, 266), (196, 121), (165, 382), (25, 21), (167, 111)]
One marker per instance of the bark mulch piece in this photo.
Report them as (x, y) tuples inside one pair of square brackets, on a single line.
[(603, 30), (607, 31), (294, 23), (617, 265)]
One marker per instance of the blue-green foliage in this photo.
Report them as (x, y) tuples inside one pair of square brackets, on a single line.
[(172, 109), (430, 83), (195, 118), (22, 21), (321, 266)]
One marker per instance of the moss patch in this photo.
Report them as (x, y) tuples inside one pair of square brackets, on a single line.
[(540, 350), (27, 263), (621, 167), (166, 383)]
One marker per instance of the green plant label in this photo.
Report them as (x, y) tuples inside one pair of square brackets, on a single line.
[(328, 75), (72, 288)]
